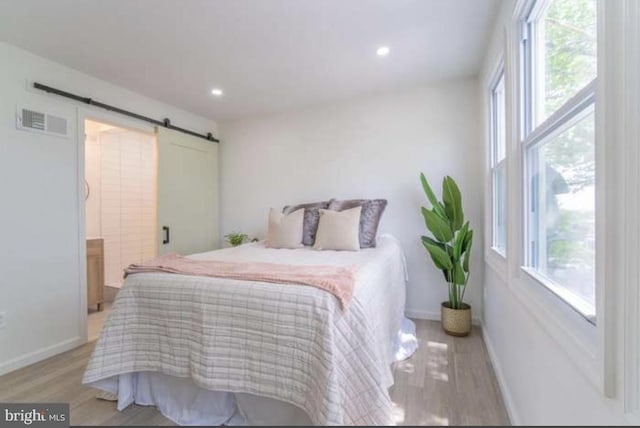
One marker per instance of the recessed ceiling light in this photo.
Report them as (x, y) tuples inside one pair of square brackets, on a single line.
[(383, 51), (217, 92)]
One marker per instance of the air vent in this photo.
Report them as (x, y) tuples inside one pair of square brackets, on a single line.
[(32, 119), (56, 125), (41, 122)]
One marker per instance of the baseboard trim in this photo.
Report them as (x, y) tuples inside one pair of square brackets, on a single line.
[(434, 316), (502, 383), (40, 354)]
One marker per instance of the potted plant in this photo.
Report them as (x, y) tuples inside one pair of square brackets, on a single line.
[(450, 250), (236, 238)]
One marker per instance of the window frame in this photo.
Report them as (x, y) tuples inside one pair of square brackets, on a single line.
[(594, 351), (533, 135), (499, 77)]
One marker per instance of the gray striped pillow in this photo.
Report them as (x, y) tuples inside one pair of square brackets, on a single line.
[(311, 219)]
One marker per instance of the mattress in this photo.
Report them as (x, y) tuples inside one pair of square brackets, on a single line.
[(230, 341)]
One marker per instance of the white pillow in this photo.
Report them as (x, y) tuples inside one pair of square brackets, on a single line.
[(285, 231), (339, 230)]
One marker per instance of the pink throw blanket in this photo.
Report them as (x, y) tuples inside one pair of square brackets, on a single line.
[(337, 280)]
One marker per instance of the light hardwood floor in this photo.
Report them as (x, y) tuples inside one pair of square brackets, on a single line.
[(96, 319), (449, 381)]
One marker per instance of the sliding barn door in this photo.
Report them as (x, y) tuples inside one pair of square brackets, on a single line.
[(187, 193)]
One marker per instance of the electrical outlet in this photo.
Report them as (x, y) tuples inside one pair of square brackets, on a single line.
[(3, 319)]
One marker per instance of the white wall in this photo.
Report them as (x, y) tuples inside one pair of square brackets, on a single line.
[(374, 147), (542, 377), (39, 247)]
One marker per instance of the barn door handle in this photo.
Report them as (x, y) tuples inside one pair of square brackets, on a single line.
[(166, 239)]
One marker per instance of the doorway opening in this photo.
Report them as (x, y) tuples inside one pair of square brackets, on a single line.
[(120, 211)]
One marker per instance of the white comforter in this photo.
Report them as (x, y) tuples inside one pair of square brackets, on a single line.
[(292, 343)]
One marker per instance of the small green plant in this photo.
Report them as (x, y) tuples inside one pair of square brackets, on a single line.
[(450, 247), (236, 238)]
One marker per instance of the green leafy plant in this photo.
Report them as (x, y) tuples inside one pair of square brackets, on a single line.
[(236, 238), (450, 246)]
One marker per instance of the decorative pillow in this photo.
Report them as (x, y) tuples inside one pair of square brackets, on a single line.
[(372, 210), (285, 231), (311, 218), (338, 230)]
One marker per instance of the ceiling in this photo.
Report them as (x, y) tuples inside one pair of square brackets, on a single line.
[(267, 55)]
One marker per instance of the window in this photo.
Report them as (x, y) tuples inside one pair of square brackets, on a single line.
[(559, 72), (498, 164)]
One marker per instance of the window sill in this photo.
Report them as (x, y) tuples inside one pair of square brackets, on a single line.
[(500, 252), (575, 303)]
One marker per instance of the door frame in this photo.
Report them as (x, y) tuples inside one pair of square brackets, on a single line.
[(109, 119)]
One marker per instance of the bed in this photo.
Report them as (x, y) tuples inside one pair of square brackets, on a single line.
[(211, 351)]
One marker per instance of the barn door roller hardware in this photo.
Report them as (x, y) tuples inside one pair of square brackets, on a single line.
[(165, 123)]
